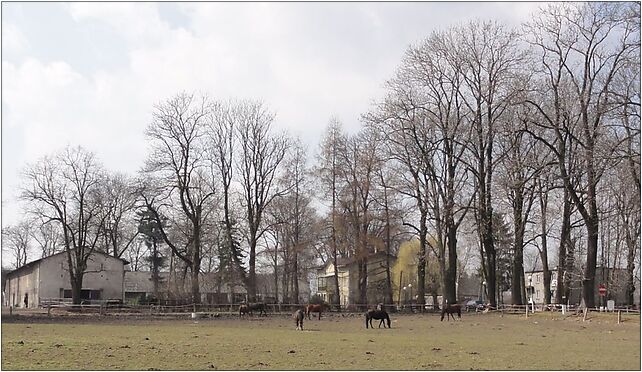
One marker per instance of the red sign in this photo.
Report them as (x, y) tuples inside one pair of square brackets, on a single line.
[(602, 289)]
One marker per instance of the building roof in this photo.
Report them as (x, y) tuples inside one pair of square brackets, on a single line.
[(34, 263)]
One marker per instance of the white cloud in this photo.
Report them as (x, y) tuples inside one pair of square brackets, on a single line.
[(307, 61), (13, 40)]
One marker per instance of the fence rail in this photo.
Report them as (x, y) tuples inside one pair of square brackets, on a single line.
[(117, 306)]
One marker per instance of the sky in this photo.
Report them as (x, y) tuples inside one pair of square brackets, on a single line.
[(89, 74)]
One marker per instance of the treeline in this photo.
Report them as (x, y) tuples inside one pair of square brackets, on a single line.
[(515, 138)]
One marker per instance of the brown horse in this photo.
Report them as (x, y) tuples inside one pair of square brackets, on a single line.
[(298, 317), (314, 308), (450, 310)]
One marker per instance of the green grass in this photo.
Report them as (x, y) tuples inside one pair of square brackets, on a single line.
[(541, 342)]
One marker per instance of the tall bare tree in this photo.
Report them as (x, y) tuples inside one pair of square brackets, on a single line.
[(222, 125), (490, 58), (261, 153), (120, 227), (178, 158), (332, 145), (65, 189), (582, 46)]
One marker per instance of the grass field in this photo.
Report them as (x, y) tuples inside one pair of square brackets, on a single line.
[(479, 341)]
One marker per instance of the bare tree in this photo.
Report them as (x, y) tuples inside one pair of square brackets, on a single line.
[(261, 152), (332, 145), (64, 189), (179, 160), (582, 46), (16, 241), (489, 58), (224, 121), (48, 235), (518, 174), (120, 227)]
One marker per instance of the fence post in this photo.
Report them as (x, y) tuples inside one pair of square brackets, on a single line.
[(526, 311), (619, 316), (585, 313)]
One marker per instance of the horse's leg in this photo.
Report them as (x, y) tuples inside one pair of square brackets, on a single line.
[(366, 322), (442, 316), (319, 314)]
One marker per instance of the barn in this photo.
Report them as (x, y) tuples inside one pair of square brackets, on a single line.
[(47, 279)]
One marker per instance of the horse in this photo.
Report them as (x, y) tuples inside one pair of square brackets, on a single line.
[(298, 317), (249, 308), (314, 308), (377, 314), (450, 310)]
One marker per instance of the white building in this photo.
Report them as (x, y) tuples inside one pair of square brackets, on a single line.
[(48, 278)]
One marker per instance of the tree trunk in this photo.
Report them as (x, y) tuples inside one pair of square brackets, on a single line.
[(518, 248), (421, 259), (451, 271), (76, 288), (251, 278), (295, 277)]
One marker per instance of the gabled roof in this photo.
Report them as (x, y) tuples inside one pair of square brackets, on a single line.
[(34, 263)]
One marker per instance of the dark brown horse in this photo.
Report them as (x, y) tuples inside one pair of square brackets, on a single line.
[(314, 308), (377, 314), (298, 317), (249, 308), (450, 310)]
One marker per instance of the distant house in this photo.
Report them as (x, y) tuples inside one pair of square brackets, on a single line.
[(265, 289), (48, 278), (139, 287), (348, 274), (613, 278)]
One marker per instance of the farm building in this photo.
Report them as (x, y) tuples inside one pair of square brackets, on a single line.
[(48, 279), (139, 287), (348, 273)]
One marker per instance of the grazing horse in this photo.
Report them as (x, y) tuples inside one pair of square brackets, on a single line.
[(377, 314), (450, 310), (249, 308), (314, 308), (298, 317)]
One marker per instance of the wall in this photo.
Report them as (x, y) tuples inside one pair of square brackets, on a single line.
[(21, 282), (104, 273)]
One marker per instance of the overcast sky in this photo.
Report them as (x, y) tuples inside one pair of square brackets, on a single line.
[(89, 73)]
